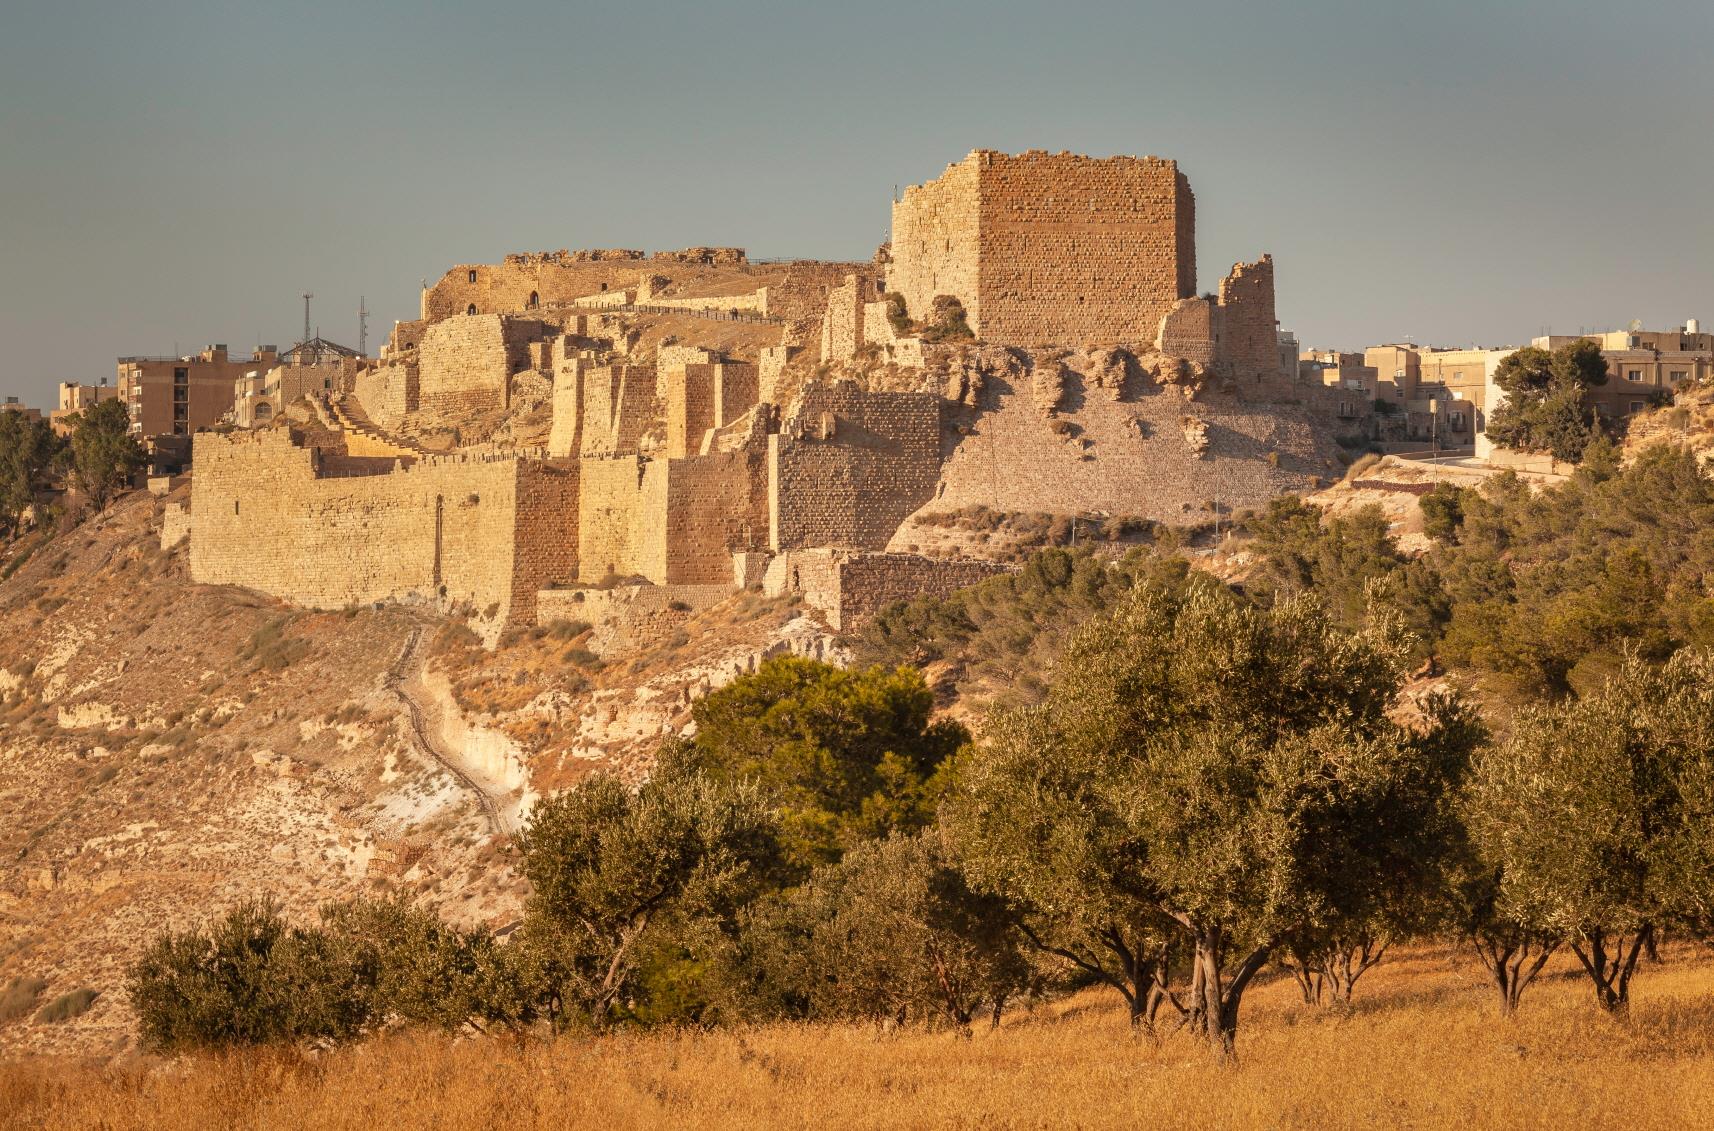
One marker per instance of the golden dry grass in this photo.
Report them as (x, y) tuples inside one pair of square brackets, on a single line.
[(1422, 1049)]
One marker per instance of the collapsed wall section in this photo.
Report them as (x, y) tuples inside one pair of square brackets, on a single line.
[(851, 587), (1234, 334), (936, 245)]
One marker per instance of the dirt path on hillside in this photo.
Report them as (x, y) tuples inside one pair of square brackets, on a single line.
[(399, 681)]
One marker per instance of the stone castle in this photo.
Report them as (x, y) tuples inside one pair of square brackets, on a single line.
[(602, 433)]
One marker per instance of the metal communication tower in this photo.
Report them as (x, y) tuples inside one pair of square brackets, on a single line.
[(307, 297), (362, 327)]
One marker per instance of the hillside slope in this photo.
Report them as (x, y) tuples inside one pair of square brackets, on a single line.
[(168, 749)]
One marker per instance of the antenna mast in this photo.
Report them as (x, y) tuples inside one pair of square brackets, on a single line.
[(362, 327), (307, 297)]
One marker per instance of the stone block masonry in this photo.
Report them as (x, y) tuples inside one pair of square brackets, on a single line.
[(1049, 248), (849, 466), (465, 364), (850, 588), (268, 514)]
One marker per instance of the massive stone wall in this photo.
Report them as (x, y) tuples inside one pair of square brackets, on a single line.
[(849, 466), (615, 496), (715, 505), (387, 392), (671, 521), (465, 365), (267, 514), (1049, 248)]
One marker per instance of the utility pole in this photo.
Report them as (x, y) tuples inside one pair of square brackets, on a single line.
[(307, 297), (362, 327)]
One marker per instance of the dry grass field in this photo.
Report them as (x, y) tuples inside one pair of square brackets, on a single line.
[(1421, 1048)]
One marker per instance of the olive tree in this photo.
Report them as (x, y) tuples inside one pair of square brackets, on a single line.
[(843, 756), (608, 863), (893, 932), (1207, 776), (1597, 816), (249, 977)]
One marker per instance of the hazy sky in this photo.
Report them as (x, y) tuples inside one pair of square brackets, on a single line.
[(174, 173)]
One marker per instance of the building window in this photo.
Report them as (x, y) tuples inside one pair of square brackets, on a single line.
[(473, 276), (181, 376), (1677, 375), (178, 428), (535, 300), (1633, 375), (1636, 406), (472, 309)]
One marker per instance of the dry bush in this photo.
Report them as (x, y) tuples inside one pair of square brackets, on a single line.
[(19, 997), (1361, 464), (1422, 1048), (66, 1006)]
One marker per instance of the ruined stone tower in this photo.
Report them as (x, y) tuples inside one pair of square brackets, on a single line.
[(1049, 247)]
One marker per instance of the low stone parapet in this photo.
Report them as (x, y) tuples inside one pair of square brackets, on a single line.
[(850, 587)]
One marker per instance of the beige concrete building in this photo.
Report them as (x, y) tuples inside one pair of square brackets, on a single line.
[(75, 397), (1644, 366), (177, 396), (1397, 371), (13, 404), (315, 367)]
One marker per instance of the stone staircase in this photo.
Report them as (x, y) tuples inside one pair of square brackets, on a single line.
[(361, 437)]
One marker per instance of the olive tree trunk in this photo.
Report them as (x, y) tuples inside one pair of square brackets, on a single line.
[(1609, 958)]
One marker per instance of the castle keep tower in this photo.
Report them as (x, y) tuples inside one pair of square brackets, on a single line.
[(1047, 247)]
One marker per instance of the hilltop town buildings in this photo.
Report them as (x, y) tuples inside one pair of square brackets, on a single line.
[(179, 396), (75, 397)]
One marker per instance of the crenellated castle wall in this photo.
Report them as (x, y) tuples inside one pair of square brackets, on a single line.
[(272, 515)]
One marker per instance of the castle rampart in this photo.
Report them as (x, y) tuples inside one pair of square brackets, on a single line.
[(267, 513)]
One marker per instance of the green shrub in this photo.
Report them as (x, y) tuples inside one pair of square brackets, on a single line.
[(249, 978)]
